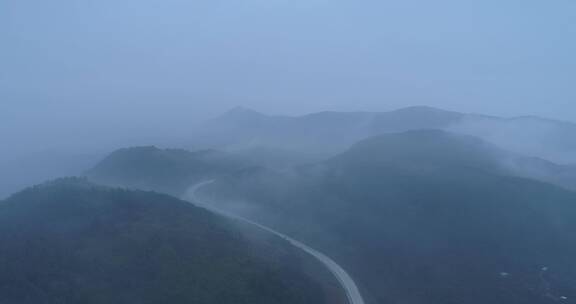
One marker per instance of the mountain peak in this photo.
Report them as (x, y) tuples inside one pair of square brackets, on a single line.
[(426, 148), (241, 111), (240, 117)]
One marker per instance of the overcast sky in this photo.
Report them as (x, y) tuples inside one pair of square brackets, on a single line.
[(88, 71)]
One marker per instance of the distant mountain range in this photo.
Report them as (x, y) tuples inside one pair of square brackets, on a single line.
[(69, 241), (281, 141), (173, 171), (332, 132)]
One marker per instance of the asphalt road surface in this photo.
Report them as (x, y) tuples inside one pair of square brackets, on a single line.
[(348, 284)]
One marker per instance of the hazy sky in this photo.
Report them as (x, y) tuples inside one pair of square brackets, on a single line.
[(83, 71)]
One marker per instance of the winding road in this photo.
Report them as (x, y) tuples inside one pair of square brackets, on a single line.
[(348, 284)]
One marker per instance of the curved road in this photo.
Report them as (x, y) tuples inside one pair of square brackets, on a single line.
[(352, 292)]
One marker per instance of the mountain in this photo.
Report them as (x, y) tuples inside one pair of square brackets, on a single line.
[(328, 133), (169, 171), (423, 217), (421, 149), (323, 132), (68, 241)]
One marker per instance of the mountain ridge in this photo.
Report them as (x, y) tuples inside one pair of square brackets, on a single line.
[(330, 132)]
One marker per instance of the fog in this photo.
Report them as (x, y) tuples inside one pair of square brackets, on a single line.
[(81, 78), (336, 151)]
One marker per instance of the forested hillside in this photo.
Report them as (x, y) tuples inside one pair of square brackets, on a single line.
[(422, 217), (68, 241)]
